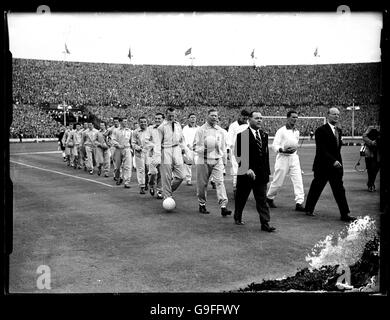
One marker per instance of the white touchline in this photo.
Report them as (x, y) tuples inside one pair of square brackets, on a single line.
[(40, 152), (61, 173)]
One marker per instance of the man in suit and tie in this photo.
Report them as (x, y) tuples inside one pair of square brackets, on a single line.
[(328, 166), (252, 154)]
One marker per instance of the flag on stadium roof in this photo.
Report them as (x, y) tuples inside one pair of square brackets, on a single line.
[(66, 49), (129, 55), (253, 53), (316, 52), (188, 52)]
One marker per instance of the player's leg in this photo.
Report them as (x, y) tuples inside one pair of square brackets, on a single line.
[(106, 162), (127, 166), (217, 176), (140, 170), (117, 164), (203, 172), (89, 152), (281, 169), (296, 178)]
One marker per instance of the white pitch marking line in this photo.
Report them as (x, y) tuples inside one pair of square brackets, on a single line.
[(61, 173), (40, 152)]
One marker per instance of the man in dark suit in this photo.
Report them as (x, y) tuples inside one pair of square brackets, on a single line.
[(251, 152), (328, 166)]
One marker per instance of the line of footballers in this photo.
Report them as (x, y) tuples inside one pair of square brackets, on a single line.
[(162, 154)]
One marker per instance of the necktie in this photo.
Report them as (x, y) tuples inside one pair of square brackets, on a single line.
[(258, 141), (173, 126), (336, 134)]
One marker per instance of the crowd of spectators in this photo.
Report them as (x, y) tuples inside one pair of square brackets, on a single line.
[(31, 122), (109, 90)]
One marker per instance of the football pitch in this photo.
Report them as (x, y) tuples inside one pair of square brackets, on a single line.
[(95, 236)]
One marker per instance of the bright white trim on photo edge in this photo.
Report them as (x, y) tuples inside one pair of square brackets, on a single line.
[(215, 38)]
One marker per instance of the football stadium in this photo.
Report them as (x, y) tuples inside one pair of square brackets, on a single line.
[(86, 228)]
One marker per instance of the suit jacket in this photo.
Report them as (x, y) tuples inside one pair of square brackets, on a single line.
[(249, 157), (327, 150)]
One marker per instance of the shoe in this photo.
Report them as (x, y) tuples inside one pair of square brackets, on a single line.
[(202, 209), (118, 182), (159, 195), (90, 171), (106, 175), (151, 191), (348, 218), (75, 166), (213, 185), (225, 212), (268, 228), (85, 168), (310, 214), (271, 203), (99, 171), (142, 190), (127, 186), (146, 187), (64, 159), (189, 183), (239, 222), (299, 207)]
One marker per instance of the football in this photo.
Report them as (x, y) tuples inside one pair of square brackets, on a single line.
[(291, 143), (169, 204)]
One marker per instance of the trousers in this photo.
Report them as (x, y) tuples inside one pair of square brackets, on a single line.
[(244, 187), (172, 170), (204, 171), (335, 179), (287, 165), (141, 166), (154, 177), (123, 158)]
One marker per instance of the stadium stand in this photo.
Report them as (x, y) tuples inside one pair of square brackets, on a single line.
[(102, 91)]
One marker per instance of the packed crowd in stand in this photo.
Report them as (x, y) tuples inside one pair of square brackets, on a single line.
[(115, 90), (31, 121)]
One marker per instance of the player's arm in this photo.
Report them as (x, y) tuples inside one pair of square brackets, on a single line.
[(198, 145), (224, 149), (277, 144)]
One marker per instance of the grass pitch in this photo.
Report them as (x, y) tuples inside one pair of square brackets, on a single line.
[(98, 237)]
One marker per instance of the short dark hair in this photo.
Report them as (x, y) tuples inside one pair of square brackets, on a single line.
[(245, 113), (160, 114), (191, 114), (117, 118), (142, 117), (171, 109), (290, 112), (212, 110)]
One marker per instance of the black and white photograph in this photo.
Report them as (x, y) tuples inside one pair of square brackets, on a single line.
[(195, 152)]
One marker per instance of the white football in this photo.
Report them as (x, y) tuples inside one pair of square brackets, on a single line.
[(169, 204), (291, 143), (210, 142)]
